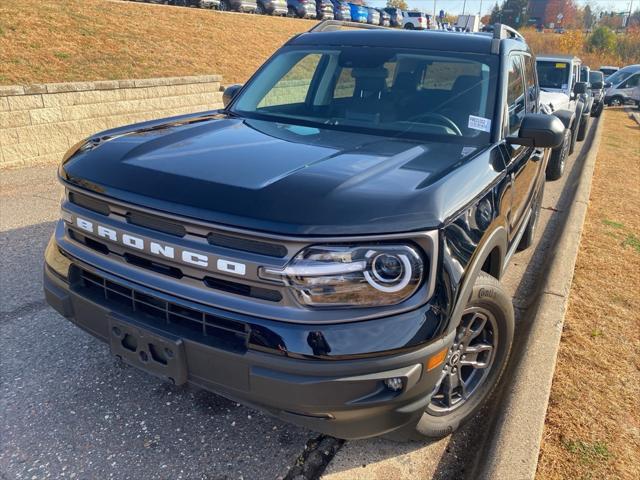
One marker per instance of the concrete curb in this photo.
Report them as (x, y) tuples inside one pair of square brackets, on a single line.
[(512, 450)]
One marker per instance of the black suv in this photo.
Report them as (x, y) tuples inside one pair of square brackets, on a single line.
[(329, 246)]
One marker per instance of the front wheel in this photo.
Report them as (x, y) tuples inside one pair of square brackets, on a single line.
[(408, 26), (584, 126), (475, 361), (616, 101), (224, 6), (558, 157)]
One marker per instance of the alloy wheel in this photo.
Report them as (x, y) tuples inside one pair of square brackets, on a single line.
[(469, 361)]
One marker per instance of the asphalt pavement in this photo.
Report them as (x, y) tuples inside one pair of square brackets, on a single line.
[(70, 410)]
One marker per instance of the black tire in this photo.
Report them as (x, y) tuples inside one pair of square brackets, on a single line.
[(409, 26), (597, 110), (558, 157), (224, 6), (530, 230), (616, 101), (584, 127), (487, 295), (260, 9), (291, 12)]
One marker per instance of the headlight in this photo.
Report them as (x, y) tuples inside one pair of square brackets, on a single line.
[(351, 276)]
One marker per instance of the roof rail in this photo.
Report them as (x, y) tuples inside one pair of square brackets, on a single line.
[(333, 25), (501, 32)]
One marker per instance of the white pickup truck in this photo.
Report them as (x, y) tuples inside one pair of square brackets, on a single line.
[(563, 94)]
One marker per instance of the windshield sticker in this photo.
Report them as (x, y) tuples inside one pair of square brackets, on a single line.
[(561, 65), (479, 123), (300, 130), (467, 151)]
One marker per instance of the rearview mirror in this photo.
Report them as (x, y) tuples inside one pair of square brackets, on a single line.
[(540, 131), (580, 87), (230, 92)]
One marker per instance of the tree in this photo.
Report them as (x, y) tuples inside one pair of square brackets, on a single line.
[(496, 13), (513, 13), (401, 4), (589, 19), (602, 40)]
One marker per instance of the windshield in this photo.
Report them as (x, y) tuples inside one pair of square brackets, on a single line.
[(621, 75), (553, 74), (596, 77), (385, 91)]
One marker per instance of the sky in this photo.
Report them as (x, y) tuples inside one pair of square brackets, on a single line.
[(455, 7)]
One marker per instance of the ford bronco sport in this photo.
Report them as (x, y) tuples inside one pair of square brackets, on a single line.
[(327, 247)]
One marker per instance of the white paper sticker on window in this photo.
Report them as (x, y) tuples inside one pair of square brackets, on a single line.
[(479, 123)]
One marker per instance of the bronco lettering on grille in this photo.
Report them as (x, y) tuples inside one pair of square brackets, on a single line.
[(159, 249)]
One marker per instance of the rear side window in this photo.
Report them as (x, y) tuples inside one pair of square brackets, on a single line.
[(515, 94), (631, 82)]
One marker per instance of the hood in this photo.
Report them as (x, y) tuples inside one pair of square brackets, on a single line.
[(275, 177), (555, 100)]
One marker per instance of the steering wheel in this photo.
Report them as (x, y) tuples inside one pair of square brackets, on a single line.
[(440, 119)]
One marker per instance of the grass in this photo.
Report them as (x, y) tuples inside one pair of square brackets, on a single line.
[(592, 429), (77, 40)]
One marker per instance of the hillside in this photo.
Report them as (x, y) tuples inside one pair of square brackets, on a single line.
[(73, 40)]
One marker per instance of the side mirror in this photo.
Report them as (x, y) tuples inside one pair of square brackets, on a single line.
[(539, 130), (607, 84), (230, 92), (580, 88)]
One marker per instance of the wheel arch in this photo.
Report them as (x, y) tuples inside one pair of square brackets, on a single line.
[(567, 117), (489, 257)]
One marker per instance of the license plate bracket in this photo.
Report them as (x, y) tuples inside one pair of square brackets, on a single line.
[(161, 355)]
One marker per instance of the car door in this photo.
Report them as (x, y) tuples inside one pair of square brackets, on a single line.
[(625, 90), (523, 164)]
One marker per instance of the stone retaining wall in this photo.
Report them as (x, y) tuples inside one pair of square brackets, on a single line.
[(38, 123)]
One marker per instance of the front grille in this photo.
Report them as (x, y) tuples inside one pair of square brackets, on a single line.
[(89, 203), (167, 316), (228, 286)]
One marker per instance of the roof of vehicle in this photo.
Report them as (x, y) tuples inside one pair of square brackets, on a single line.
[(382, 37), (550, 56)]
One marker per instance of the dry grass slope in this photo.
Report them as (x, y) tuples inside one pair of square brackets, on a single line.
[(593, 423), (75, 40)]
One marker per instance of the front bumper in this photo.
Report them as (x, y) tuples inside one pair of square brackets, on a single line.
[(346, 398)]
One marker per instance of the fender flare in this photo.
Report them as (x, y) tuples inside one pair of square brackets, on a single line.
[(567, 117), (496, 239)]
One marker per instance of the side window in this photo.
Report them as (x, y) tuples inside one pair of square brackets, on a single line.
[(294, 85), (530, 82), (515, 94), (631, 82)]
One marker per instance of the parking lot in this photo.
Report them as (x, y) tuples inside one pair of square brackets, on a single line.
[(69, 410)]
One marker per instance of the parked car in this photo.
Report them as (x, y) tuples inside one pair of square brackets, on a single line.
[(272, 7), (324, 10), (585, 72), (210, 4), (563, 95), (416, 21), (618, 93), (259, 252), (180, 3), (249, 6), (608, 70), (622, 74), (385, 18), (596, 79), (301, 8), (396, 16), (359, 13), (341, 10), (373, 16)]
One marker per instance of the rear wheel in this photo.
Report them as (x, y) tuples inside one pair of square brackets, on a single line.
[(530, 230), (408, 26), (558, 157), (584, 126), (260, 9), (474, 363)]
